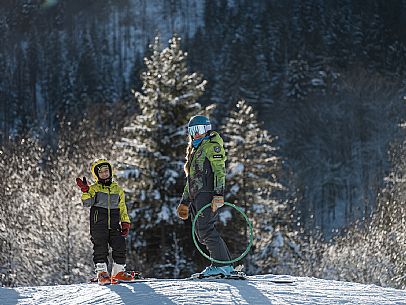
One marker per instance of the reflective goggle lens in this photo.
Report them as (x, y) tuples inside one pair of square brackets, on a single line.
[(199, 129)]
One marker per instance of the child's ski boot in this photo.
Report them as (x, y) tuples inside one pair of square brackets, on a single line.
[(103, 277), (119, 275)]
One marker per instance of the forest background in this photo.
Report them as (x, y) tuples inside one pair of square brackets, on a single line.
[(308, 95)]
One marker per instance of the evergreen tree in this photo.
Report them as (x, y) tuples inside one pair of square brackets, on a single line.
[(341, 29), (32, 57), (52, 88), (87, 79), (373, 43), (154, 147), (254, 168), (23, 120), (4, 97), (298, 82), (395, 63)]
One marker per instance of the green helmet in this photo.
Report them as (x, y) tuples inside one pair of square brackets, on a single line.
[(199, 124)]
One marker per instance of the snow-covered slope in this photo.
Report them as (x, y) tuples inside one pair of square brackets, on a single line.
[(256, 290)]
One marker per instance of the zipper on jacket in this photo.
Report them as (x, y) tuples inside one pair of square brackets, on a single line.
[(108, 208), (96, 214), (189, 179)]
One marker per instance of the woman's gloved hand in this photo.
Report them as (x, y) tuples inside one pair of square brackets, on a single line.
[(183, 211), (216, 203)]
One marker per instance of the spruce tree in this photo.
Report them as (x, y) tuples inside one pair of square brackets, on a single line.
[(298, 82), (254, 169), (153, 150)]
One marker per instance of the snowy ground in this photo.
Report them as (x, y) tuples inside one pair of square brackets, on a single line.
[(257, 290)]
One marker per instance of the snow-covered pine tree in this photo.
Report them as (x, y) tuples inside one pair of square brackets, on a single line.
[(298, 80), (254, 168), (153, 150), (86, 86), (342, 28)]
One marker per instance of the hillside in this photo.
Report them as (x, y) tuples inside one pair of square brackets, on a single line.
[(257, 290)]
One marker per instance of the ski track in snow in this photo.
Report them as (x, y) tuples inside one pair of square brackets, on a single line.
[(257, 290)]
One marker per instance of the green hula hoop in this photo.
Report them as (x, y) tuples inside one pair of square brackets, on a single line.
[(215, 260)]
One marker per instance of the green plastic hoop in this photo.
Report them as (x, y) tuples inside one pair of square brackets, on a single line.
[(215, 260)]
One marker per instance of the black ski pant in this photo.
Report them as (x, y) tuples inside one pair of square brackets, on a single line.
[(102, 237), (206, 231)]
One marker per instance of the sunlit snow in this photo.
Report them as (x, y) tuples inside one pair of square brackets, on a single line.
[(257, 290)]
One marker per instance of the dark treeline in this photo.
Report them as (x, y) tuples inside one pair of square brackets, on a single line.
[(308, 67), (326, 77)]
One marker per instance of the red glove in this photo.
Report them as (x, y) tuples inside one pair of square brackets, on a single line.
[(125, 228), (82, 184)]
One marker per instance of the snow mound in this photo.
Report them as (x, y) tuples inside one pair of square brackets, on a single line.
[(257, 290)]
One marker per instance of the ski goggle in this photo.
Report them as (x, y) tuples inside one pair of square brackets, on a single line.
[(199, 129), (102, 168)]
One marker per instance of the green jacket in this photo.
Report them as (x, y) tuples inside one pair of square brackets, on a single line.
[(206, 169)]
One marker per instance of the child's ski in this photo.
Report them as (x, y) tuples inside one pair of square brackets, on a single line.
[(136, 275)]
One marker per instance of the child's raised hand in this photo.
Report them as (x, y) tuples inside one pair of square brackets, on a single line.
[(82, 184)]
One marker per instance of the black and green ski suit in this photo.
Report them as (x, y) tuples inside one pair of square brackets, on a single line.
[(206, 178), (107, 211)]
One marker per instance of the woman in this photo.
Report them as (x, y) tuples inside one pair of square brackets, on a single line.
[(205, 173)]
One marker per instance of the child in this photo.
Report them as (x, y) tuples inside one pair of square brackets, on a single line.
[(109, 222), (205, 173)]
